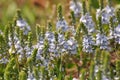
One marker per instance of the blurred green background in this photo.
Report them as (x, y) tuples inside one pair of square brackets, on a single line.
[(37, 11)]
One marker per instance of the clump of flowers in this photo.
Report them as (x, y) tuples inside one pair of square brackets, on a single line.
[(88, 44), (70, 46), (102, 41), (88, 22), (106, 13), (86, 19), (76, 7), (51, 53), (20, 22), (61, 23)]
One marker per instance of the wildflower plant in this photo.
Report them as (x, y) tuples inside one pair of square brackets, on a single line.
[(93, 51)]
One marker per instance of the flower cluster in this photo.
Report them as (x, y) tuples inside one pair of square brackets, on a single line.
[(23, 25), (88, 44), (117, 34), (76, 6), (20, 22), (102, 41), (106, 13), (62, 24), (88, 22), (45, 56)]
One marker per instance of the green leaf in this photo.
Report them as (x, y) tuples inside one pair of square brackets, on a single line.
[(28, 14), (95, 3)]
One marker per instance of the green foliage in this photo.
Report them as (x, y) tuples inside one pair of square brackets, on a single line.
[(94, 3), (73, 22), (36, 73), (11, 71), (84, 7), (46, 65), (106, 60), (22, 75), (33, 56), (118, 68), (92, 67), (30, 40), (31, 61), (60, 15), (99, 75), (101, 3), (3, 45), (118, 15), (82, 77)]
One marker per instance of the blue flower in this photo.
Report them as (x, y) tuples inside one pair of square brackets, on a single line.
[(88, 22), (76, 7), (88, 44), (28, 51), (71, 45), (61, 42), (117, 31), (4, 60), (23, 25), (17, 44), (62, 25), (50, 37), (117, 34), (102, 41), (30, 76), (52, 48), (106, 13), (72, 30)]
